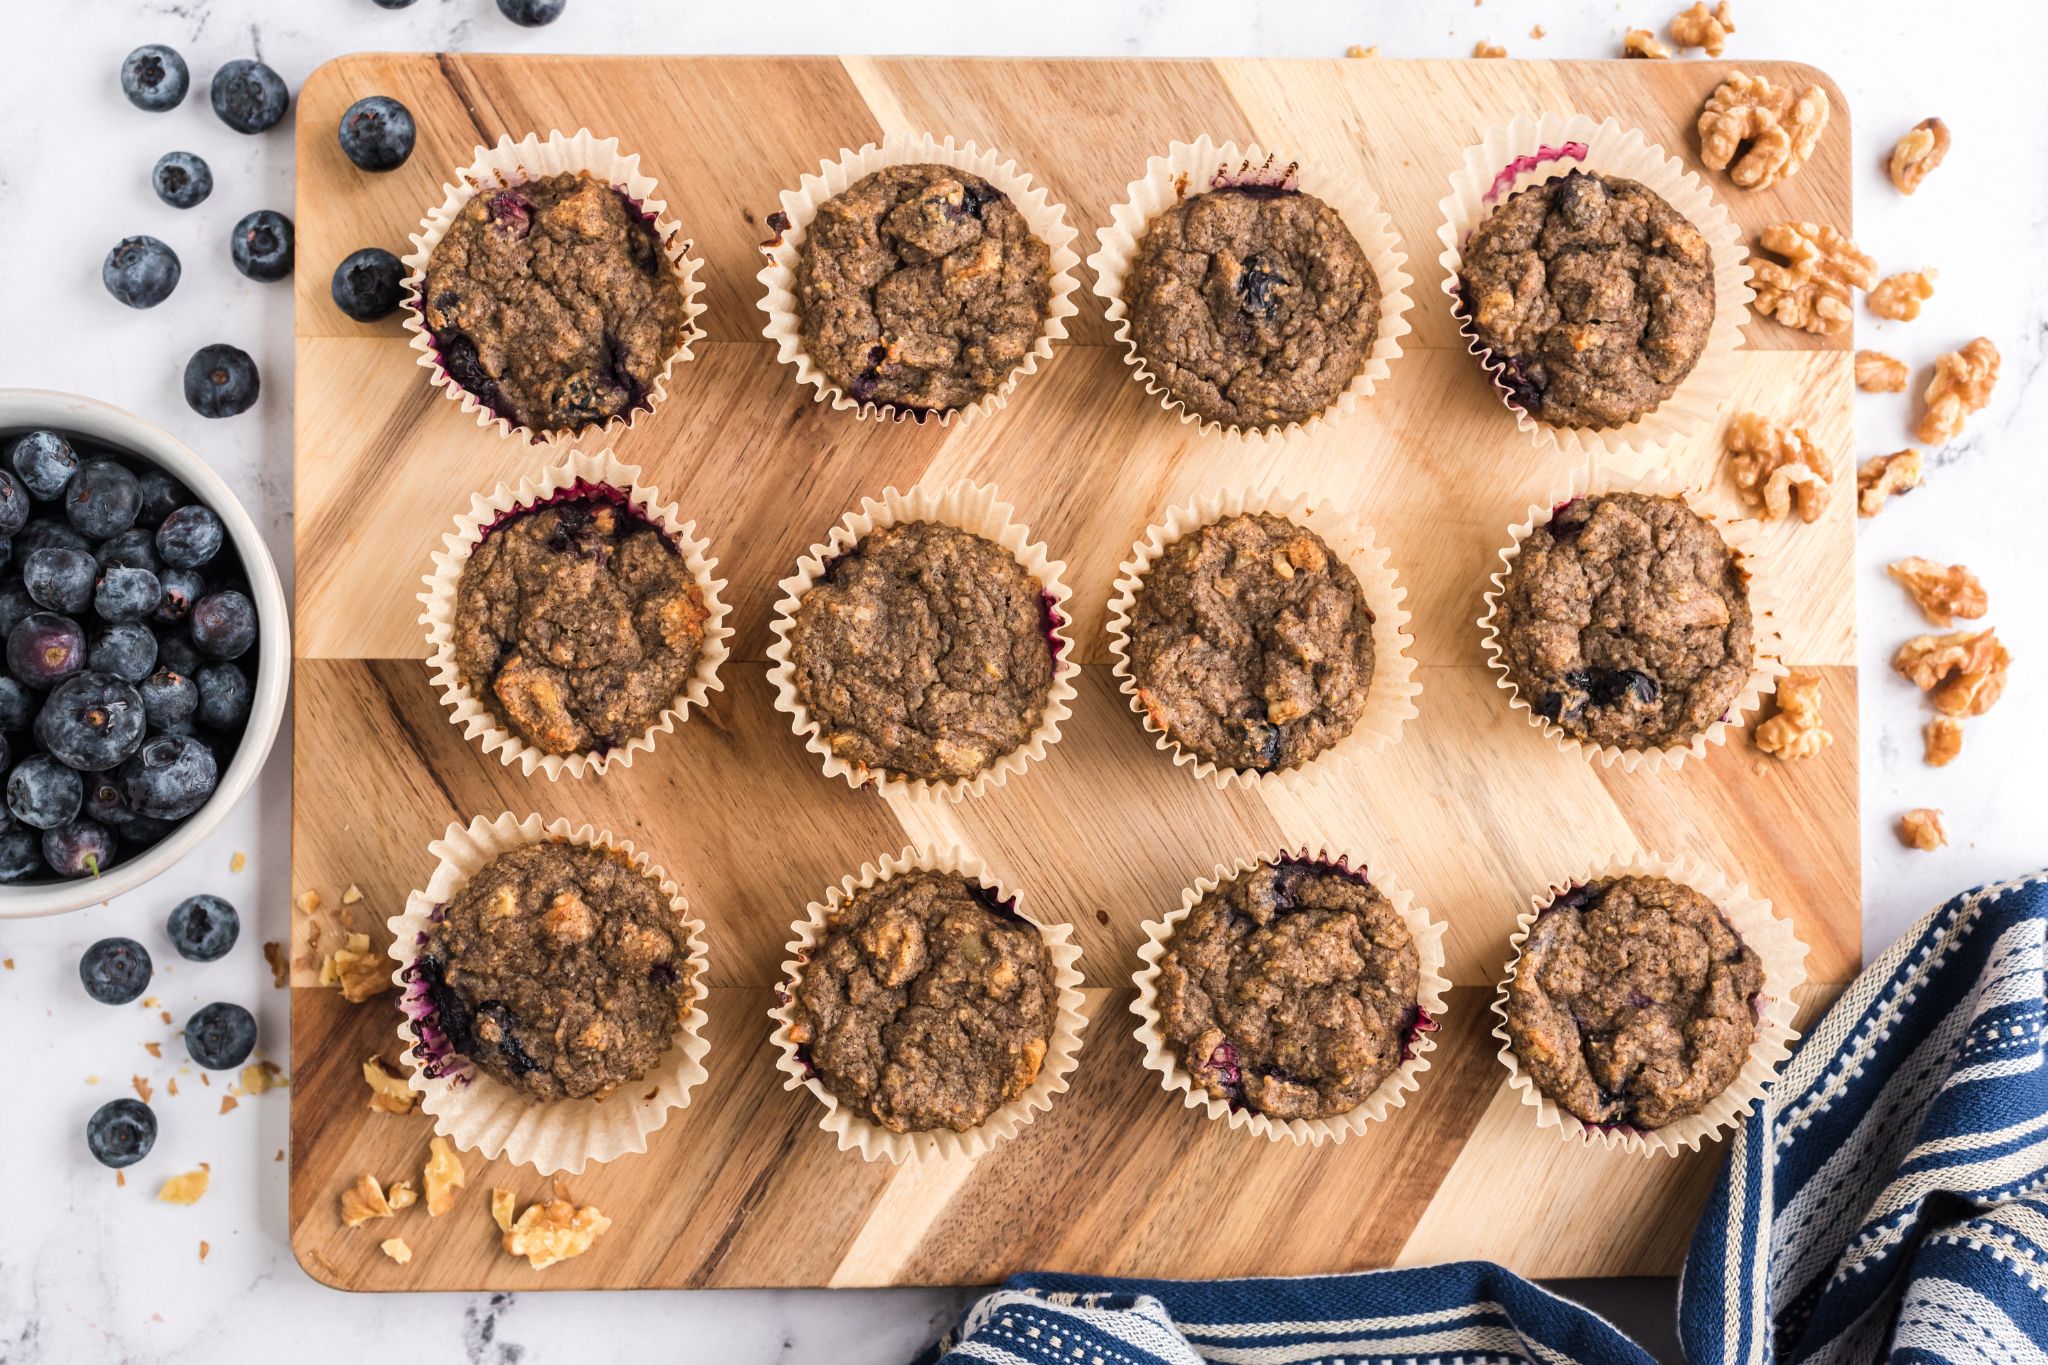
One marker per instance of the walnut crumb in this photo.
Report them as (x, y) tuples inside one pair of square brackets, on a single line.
[(363, 1201), (352, 895), (1483, 48), (1796, 730), (228, 1103), (1877, 372), (403, 1194), (553, 1231), (238, 862), (142, 1090), (280, 964), (258, 1077), (1963, 674), (396, 1249), (1810, 290), (307, 902), (502, 1204), (1918, 152), (205, 1250), (1358, 50), (1778, 467), (1883, 475), (188, 1187), (1961, 385), (1898, 297), (389, 1093), (1941, 740), (1758, 132), (1643, 43), (1941, 591), (154, 1049), (1537, 32), (1697, 27), (443, 1176), (1922, 829), (359, 972)]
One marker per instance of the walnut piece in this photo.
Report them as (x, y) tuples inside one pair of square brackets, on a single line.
[(502, 1204), (396, 1249), (1941, 591), (1484, 48), (361, 974), (1697, 27), (1355, 50), (1642, 42), (1961, 385), (186, 1188), (1899, 296), (258, 1077), (363, 1201), (1776, 467), (1918, 152), (1883, 475), (389, 1094), (1942, 740), (1922, 829), (1810, 290), (1877, 372), (1963, 674), (403, 1194), (443, 1176), (1760, 133), (280, 964), (553, 1231), (1796, 730)]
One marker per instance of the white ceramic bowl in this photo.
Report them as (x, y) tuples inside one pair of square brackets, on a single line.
[(24, 409)]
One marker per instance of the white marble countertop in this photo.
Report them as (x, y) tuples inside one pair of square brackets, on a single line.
[(92, 1271)]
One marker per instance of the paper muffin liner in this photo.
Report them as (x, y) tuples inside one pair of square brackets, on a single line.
[(1063, 1047), (1780, 952), (968, 507), (1766, 609), (579, 475), (1046, 219), (1389, 702), (479, 1113), (1204, 164), (1431, 987), (1529, 151), (517, 163)]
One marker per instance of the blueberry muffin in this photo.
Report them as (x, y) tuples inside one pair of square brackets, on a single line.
[(1634, 1002), (553, 304), (1291, 990), (1252, 304), (577, 623), (921, 287), (926, 1003), (562, 971), (1595, 294), (1625, 621), (1251, 643)]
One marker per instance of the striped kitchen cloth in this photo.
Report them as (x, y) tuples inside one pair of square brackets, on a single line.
[(1891, 1204)]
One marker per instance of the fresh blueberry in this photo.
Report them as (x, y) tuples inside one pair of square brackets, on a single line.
[(83, 848), (169, 697), (221, 381), (14, 504), (115, 970), (140, 271), (391, 4), (175, 651), (102, 499), (93, 721), (532, 13), (48, 533), (60, 579), (220, 1036), (43, 792), (367, 285), (182, 179), (169, 777), (21, 853), (249, 96), (154, 77), (181, 588), (262, 245), (15, 606), (377, 133), (223, 696), (161, 496), (141, 831), (189, 537), (18, 705), (125, 594), (126, 649), (120, 1132), (104, 801), (134, 548), (44, 649), (44, 462), (203, 928), (224, 624)]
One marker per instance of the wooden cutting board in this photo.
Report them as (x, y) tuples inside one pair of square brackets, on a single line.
[(1472, 808)]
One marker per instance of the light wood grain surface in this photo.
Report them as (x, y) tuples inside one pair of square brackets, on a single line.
[(1472, 808)]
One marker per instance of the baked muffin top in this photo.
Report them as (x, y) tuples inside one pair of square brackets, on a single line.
[(1596, 294), (1290, 990), (1253, 305), (1251, 643), (926, 1003), (1633, 1002), (553, 304), (921, 287), (576, 624), (1625, 620), (560, 970), (925, 651)]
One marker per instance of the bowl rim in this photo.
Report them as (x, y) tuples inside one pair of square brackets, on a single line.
[(102, 421)]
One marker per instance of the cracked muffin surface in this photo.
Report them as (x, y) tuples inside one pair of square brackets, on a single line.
[(1625, 620), (553, 303), (1594, 292), (921, 287), (559, 970), (1290, 990), (1252, 304), (1251, 643), (1634, 1002), (576, 624), (926, 1003), (924, 651)]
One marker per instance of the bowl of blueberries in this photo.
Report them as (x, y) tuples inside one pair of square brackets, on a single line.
[(146, 651)]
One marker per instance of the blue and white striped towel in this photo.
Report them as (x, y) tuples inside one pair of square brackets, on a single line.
[(1891, 1203)]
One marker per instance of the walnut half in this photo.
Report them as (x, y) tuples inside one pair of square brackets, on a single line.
[(1699, 27), (1796, 730), (1918, 152), (1898, 297), (1877, 372), (1758, 132), (1941, 591), (1962, 674), (1777, 467), (1810, 289), (1922, 829), (1961, 385), (1880, 476)]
